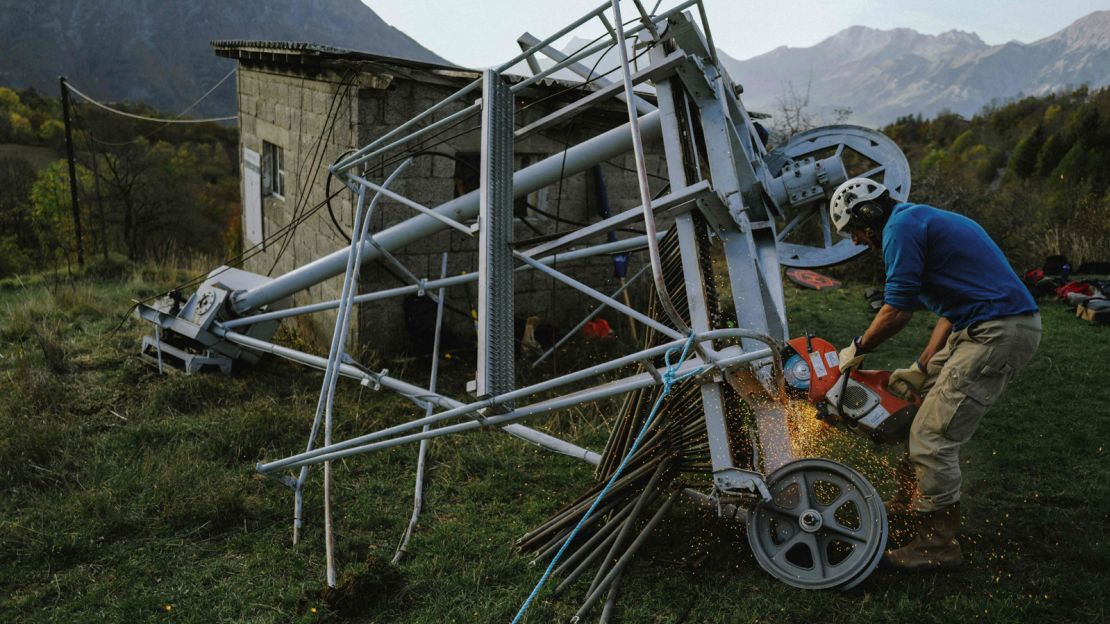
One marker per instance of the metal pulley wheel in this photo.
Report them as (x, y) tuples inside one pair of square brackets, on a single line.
[(808, 168), (825, 526)]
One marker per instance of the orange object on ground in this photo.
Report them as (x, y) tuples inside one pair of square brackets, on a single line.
[(597, 328), (812, 279)]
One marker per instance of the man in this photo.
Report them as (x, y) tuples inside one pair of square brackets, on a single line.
[(989, 327)]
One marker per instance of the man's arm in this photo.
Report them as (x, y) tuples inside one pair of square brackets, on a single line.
[(936, 342), (904, 382), (889, 321)]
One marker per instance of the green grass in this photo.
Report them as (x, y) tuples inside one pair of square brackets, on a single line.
[(126, 493)]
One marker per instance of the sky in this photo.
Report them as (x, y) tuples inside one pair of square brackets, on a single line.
[(483, 33)]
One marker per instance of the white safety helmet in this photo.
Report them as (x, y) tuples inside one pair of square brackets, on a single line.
[(847, 197)]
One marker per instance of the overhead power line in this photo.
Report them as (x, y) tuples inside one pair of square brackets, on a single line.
[(177, 119)]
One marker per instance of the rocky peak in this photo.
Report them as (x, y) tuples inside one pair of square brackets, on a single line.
[(1091, 31)]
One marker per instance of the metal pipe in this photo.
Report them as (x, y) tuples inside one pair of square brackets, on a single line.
[(626, 530), (327, 393), (411, 204), (626, 557), (418, 493), (355, 161), (543, 407), (613, 303), (457, 409), (603, 546), (551, 39), (410, 391), (642, 105), (361, 155), (329, 373), (627, 244), (530, 179), (461, 410), (610, 602), (645, 187), (370, 150), (567, 61), (588, 318), (621, 34), (594, 544)]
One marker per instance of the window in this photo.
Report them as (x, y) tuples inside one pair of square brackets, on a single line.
[(467, 178), (273, 170)]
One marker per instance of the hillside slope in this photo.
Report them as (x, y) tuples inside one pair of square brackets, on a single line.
[(158, 52)]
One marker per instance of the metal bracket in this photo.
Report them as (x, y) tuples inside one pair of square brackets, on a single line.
[(736, 481), (374, 381)]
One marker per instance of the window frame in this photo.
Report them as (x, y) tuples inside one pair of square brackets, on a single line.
[(273, 170)]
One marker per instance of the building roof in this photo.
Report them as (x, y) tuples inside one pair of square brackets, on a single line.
[(299, 53), (245, 49)]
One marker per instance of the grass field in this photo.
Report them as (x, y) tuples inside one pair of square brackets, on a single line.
[(131, 497)]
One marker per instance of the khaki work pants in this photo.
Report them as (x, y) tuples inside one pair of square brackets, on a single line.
[(966, 377)]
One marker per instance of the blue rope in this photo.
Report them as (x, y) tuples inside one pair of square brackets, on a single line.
[(670, 377)]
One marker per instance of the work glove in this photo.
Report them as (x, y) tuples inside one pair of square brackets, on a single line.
[(905, 381), (851, 356)]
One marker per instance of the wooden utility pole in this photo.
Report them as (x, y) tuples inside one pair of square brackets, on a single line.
[(72, 171)]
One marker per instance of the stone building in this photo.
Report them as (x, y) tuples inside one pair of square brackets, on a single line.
[(302, 106)]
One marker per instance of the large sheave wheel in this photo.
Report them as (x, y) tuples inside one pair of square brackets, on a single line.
[(806, 238), (825, 526)]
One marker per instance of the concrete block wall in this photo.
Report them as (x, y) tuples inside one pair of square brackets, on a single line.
[(430, 181), (292, 110)]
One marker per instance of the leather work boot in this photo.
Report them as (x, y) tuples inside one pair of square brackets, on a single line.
[(934, 547)]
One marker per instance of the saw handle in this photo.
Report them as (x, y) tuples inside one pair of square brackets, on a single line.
[(843, 381)]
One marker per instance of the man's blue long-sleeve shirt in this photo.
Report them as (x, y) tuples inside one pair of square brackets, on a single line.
[(948, 264)]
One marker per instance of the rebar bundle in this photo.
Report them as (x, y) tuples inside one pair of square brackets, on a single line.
[(673, 456)]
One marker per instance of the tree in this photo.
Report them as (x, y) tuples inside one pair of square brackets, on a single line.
[(1023, 162), (794, 111), (51, 211), (795, 114), (17, 236)]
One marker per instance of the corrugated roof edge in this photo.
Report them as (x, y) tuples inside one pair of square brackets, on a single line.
[(318, 49)]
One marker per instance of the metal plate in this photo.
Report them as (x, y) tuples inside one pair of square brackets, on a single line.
[(495, 259), (864, 153), (824, 528)]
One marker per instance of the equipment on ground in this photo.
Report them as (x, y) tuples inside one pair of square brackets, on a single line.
[(807, 278), (731, 207), (857, 400)]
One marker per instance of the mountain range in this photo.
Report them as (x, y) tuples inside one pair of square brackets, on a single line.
[(883, 74), (157, 51)]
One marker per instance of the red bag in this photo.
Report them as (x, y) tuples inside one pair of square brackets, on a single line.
[(1074, 287)]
